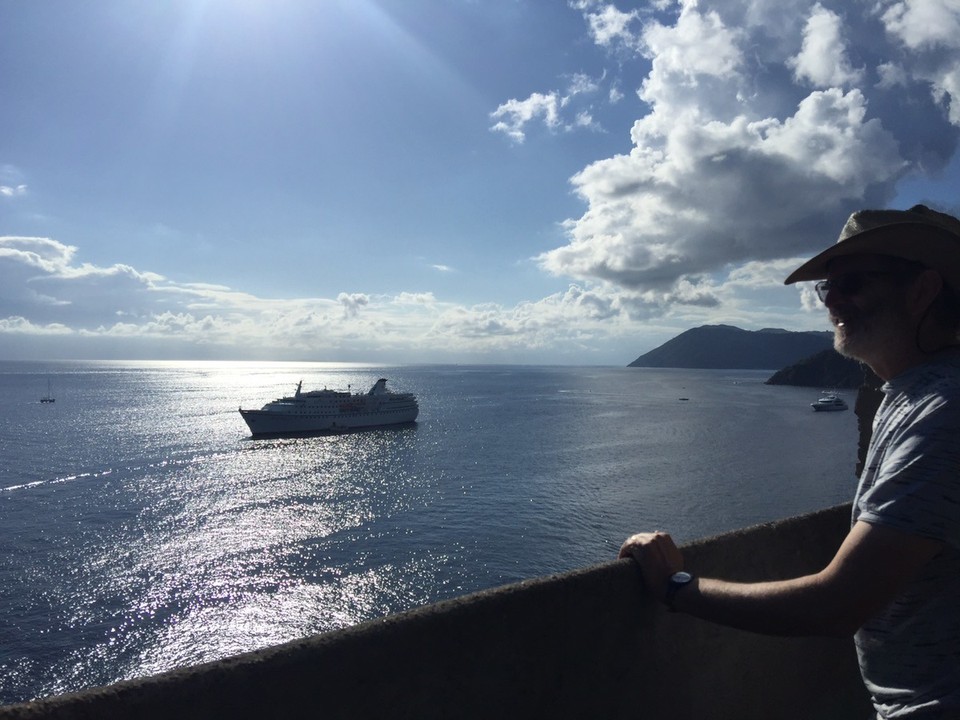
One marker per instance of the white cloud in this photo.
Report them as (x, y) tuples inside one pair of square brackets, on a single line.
[(352, 302), (120, 310), (831, 136), (722, 193), (924, 24), (699, 45), (736, 160), (580, 84), (761, 274), (20, 325), (13, 191), (585, 120), (513, 115), (40, 253), (610, 27), (823, 59), (929, 32), (557, 111), (12, 181), (45, 294), (409, 298)]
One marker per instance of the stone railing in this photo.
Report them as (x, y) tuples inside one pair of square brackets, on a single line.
[(586, 644)]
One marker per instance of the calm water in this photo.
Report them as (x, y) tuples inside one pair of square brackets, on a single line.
[(142, 529)]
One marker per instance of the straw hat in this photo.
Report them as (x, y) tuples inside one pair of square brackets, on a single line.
[(919, 234)]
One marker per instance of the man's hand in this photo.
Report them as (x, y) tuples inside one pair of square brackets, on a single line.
[(872, 565), (658, 558)]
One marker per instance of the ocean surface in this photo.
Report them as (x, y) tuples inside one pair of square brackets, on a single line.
[(141, 528)]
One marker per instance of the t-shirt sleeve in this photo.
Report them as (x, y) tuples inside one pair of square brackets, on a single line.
[(918, 486)]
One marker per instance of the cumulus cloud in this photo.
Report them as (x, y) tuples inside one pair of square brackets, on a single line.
[(928, 34), (352, 303), (762, 126), (924, 24), (823, 58), (612, 27), (20, 325), (697, 46)]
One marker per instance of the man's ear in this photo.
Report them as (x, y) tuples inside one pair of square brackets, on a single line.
[(924, 291)]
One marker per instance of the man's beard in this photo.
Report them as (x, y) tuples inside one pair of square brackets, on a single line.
[(862, 334), (847, 341)]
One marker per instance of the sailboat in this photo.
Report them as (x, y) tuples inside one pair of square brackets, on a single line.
[(48, 398)]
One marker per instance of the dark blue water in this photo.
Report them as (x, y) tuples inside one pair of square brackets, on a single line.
[(142, 529)]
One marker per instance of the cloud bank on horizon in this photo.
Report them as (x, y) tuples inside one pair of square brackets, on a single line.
[(760, 126)]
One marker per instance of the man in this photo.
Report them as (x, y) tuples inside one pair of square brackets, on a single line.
[(891, 286)]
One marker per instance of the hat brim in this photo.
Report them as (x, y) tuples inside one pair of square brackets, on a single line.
[(937, 249)]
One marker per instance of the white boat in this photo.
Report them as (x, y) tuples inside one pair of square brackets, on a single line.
[(829, 402), (332, 410)]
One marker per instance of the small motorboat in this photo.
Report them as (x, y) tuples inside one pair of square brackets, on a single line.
[(829, 402)]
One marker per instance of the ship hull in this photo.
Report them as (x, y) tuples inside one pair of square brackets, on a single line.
[(265, 422)]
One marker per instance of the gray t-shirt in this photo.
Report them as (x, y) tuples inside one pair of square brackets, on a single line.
[(910, 651)]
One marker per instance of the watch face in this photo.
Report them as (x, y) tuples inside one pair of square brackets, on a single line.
[(681, 578)]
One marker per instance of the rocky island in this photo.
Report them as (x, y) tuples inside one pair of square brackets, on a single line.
[(826, 369), (724, 347)]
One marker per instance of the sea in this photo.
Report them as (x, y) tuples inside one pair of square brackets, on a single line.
[(143, 529)]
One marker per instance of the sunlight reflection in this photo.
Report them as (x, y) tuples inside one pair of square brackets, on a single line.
[(209, 631), (237, 552)]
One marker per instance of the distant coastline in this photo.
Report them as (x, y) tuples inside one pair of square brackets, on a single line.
[(805, 359)]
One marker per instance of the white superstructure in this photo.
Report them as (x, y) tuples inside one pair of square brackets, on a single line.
[(829, 402), (320, 410)]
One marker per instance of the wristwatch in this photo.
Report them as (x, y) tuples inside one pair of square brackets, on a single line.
[(677, 581)]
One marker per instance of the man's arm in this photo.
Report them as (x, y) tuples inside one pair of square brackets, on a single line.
[(870, 567)]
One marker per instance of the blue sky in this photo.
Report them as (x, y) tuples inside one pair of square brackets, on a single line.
[(448, 180)]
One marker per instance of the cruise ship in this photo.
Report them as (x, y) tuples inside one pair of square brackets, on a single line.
[(332, 410)]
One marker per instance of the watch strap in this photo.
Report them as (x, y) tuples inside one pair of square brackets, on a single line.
[(677, 581)]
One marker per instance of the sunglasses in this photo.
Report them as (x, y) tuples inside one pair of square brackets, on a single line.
[(848, 284)]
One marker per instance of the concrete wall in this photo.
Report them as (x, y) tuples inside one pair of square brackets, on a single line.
[(586, 644)]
